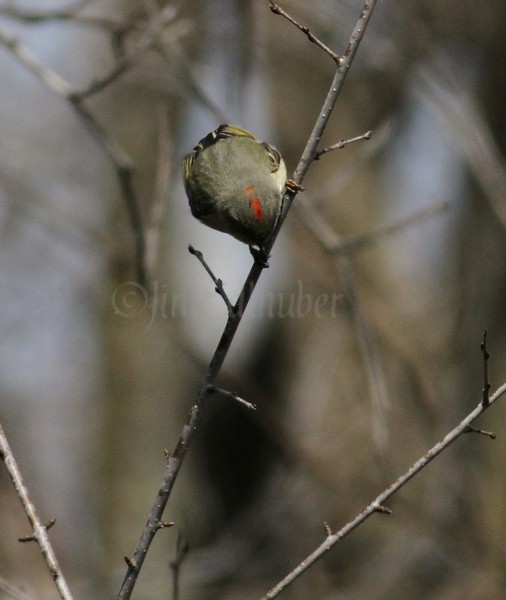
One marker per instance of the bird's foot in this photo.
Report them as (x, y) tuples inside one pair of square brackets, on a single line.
[(260, 256), (292, 186)]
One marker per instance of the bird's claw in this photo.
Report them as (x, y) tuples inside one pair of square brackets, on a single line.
[(260, 256), (293, 186)]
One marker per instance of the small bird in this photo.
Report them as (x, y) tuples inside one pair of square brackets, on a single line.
[(235, 183)]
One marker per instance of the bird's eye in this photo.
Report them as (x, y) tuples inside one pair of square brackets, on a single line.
[(274, 156)]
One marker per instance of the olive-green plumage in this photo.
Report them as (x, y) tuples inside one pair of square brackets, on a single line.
[(235, 184)]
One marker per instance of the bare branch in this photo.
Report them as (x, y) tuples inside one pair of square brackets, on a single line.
[(217, 282), (489, 434), (119, 158), (234, 318), (335, 89), (225, 393), (379, 508), (276, 9), (342, 143), (31, 538), (39, 530), (377, 505)]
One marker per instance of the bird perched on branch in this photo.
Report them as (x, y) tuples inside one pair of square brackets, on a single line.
[(235, 184)]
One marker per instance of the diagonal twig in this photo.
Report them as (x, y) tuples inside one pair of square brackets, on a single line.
[(212, 389), (217, 282), (188, 432), (276, 9), (39, 529), (377, 505)]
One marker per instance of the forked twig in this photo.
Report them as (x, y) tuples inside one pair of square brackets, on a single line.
[(176, 459), (31, 538)]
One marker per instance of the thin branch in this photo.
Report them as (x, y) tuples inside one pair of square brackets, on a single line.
[(339, 180), (489, 434), (39, 530), (342, 143), (377, 505), (31, 538), (231, 396), (120, 159), (217, 282), (277, 10), (188, 433), (335, 89)]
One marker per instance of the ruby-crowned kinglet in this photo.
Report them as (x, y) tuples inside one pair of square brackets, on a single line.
[(235, 184)]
